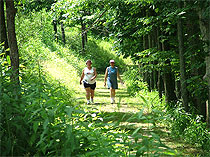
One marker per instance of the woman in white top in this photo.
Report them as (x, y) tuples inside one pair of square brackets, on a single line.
[(88, 77)]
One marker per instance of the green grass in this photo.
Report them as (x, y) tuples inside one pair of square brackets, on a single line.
[(125, 114)]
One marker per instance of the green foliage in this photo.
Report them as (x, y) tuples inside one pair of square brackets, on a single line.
[(181, 121), (189, 127), (151, 146), (147, 31), (161, 60), (196, 133), (133, 80), (54, 126), (99, 51), (29, 123), (148, 141), (98, 138), (42, 119), (28, 6), (73, 12), (45, 120)]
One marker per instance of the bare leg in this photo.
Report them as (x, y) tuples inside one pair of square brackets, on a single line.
[(112, 95), (110, 92), (92, 93), (87, 93)]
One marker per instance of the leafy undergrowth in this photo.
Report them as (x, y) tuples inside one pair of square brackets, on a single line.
[(184, 126), (42, 117), (144, 133)]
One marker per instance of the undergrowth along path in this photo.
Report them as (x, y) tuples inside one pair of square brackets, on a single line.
[(124, 108)]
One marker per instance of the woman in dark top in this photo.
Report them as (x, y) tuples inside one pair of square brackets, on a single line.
[(111, 76)]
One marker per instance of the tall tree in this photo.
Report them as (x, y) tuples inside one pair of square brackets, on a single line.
[(3, 34), (196, 57), (160, 85), (204, 18), (168, 78), (55, 29), (84, 34), (63, 33), (184, 93), (14, 56)]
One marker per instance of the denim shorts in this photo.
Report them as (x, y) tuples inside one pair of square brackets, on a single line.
[(112, 84)]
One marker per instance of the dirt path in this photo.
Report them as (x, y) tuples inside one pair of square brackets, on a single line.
[(124, 108)]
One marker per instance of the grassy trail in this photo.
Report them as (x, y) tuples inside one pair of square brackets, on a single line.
[(124, 108), (102, 99)]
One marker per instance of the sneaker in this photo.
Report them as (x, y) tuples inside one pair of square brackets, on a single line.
[(92, 102), (112, 101), (88, 102)]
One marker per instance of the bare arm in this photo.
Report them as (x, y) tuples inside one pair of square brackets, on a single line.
[(118, 75), (105, 77), (82, 76)]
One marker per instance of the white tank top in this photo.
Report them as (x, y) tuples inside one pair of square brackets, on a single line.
[(88, 75)]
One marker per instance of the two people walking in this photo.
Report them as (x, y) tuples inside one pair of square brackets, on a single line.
[(89, 75)]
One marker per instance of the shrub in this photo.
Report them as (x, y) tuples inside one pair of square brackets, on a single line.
[(99, 51), (134, 81), (189, 127)]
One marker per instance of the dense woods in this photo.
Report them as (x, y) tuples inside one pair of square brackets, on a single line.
[(167, 44)]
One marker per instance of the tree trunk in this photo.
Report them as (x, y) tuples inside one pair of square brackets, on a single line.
[(14, 56), (205, 31), (160, 85), (145, 46), (3, 32), (151, 78), (55, 29), (150, 74), (169, 85), (145, 42), (84, 35), (169, 82), (184, 92), (155, 76), (63, 33), (178, 89), (193, 31), (146, 74), (154, 45)]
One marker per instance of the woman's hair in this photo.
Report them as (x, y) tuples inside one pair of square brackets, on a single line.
[(88, 61)]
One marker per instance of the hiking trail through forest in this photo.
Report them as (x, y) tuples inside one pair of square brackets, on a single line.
[(125, 106)]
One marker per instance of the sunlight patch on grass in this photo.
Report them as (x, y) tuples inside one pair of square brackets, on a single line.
[(124, 103), (60, 70)]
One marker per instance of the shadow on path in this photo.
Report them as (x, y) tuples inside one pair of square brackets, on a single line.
[(124, 115)]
